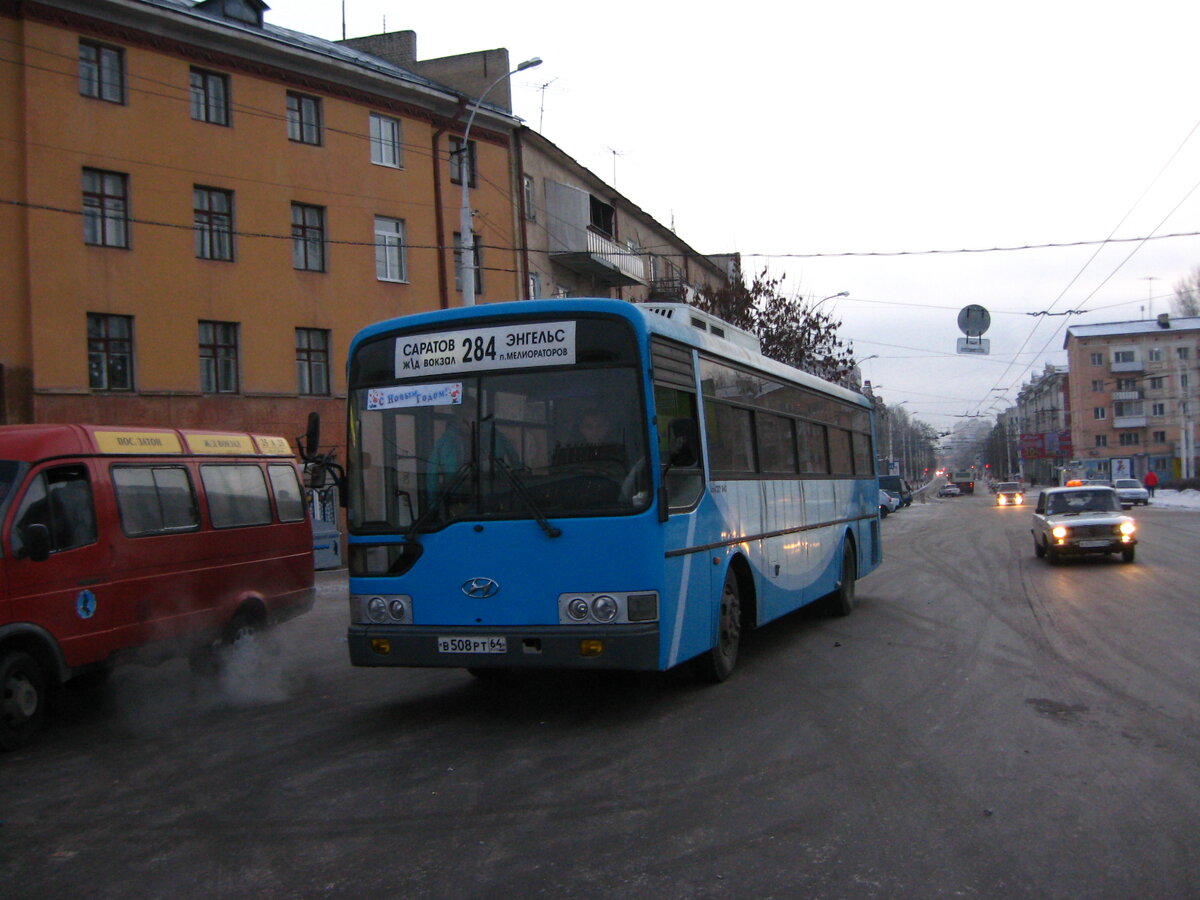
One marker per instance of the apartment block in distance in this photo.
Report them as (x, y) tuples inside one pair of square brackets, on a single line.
[(1134, 395), (198, 210)]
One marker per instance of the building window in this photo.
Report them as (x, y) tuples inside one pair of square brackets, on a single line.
[(1130, 438), (1183, 352), (458, 262), (390, 263), (105, 208), (1127, 384), (1158, 409), (110, 352), (530, 208), (385, 141), (1124, 356), (102, 72), (535, 285), (210, 97), (1154, 354), (304, 118), (1100, 412), (219, 357), (213, 217), (1098, 384), (312, 361), (1102, 440), (456, 161), (308, 237), (1097, 359), (1183, 380), (604, 218), (1157, 383), (1159, 437)]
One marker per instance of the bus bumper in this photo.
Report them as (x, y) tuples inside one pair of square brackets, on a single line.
[(630, 647)]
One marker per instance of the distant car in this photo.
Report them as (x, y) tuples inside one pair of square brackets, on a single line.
[(1131, 492), (898, 486), (888, 503), (1009, 493), (949, 490), (1082, 520)]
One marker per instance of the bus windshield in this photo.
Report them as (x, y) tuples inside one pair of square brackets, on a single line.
[(498, 445)]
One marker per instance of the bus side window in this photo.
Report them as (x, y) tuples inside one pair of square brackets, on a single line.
[(679, 446), (61, 500)]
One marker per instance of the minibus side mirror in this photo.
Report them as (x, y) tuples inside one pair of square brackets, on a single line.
[(36, 538)]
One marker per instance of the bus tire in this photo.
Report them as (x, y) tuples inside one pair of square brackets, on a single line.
[(22, 699), (841, 601), (717, 664)]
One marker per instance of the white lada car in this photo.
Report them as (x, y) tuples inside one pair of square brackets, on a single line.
[(1078, 520)]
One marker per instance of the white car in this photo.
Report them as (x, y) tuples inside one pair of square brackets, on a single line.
[(1082, 520), (888, 503), (950, 490), (1131, 492)]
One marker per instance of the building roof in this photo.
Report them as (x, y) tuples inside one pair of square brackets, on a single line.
[(1135, 328)]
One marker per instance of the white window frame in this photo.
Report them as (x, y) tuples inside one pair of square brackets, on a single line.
[(385, 141), (391, 257)]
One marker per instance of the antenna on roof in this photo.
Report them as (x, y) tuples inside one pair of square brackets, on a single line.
[(615, 154), (542, 103), (343, 20)]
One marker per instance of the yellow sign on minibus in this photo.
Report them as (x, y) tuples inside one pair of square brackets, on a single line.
[(137, 442)]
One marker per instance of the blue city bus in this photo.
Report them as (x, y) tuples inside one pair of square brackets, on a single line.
[(593, 484)]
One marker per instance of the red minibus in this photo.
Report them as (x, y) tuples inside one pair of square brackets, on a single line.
[(138, 544)]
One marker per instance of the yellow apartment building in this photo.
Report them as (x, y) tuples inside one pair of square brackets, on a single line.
[(1133, 395), (198, 210)]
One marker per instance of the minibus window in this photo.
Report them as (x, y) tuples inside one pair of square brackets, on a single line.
[(288, 499), (237, 495), (155, 499), (60, 499)]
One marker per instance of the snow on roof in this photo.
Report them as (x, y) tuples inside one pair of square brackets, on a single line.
[(1141, 326)]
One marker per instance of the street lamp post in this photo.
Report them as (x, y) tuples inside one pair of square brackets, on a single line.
[(466, 224)]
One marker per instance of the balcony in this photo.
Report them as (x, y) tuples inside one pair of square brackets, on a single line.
[(1126, 395), (578, 245), (1135, 365), (1138, 421)]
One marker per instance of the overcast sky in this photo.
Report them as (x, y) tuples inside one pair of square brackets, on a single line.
[(796, 133)]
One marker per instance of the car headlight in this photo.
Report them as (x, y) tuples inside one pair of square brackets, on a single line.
[(1060, 532), (1128, 528), (1001, 500)]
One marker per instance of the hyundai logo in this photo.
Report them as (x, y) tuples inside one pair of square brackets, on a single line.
[(480, 588)]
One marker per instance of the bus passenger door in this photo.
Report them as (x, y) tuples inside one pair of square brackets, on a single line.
[(67, 593)]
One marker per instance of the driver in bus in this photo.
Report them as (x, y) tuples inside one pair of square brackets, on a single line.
[(453, 448)]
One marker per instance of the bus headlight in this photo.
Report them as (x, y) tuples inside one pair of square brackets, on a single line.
[(377, 609), (398, 610), (604, 608), (577, 609)]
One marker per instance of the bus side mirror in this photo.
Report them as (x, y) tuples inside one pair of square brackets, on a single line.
[(683, 443), (36, 538), (312, 436)]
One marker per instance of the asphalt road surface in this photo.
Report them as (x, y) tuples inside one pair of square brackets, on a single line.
[(984, 725)]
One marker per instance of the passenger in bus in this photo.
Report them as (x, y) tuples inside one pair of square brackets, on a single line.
[(453, 449)]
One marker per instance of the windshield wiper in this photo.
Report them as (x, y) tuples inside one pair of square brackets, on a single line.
[(523, 493), (438, 502)]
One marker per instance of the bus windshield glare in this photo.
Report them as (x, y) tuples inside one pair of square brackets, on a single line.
[(498, 445)]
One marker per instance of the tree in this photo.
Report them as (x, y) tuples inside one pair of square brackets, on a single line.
[(1186, 301), (788, 329)]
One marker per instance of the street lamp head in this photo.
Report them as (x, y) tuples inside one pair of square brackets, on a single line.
[(529, 64)]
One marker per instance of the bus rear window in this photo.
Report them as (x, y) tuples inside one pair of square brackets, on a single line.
[(237, 495)]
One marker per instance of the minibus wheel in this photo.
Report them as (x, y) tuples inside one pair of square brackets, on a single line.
[(841, 601), (22, 699)]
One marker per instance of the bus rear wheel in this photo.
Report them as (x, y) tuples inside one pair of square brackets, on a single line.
[(22, 699), (717, 664)]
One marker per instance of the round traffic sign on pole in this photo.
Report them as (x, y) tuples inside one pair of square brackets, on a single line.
[(973, 320)]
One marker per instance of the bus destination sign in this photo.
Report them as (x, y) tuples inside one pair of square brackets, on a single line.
[(474, 349)]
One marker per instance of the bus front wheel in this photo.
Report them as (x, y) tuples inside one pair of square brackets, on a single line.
[(841, 601), (717, 664)]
